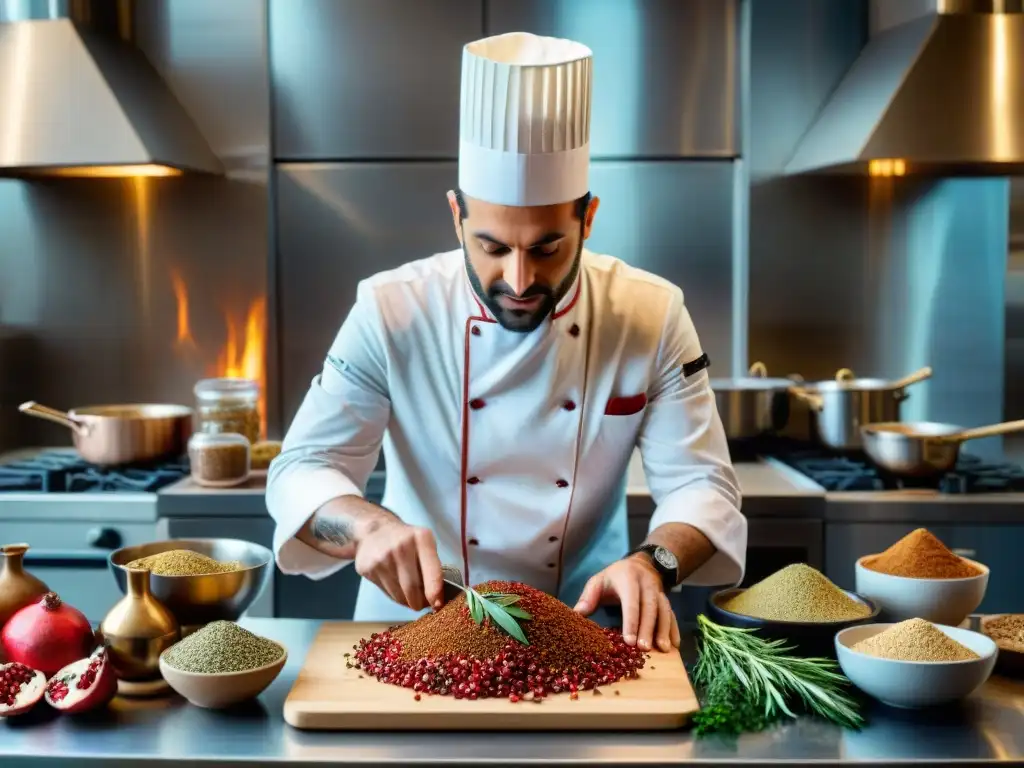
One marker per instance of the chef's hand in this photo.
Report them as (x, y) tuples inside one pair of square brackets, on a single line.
[(647, 615), (402, 560)]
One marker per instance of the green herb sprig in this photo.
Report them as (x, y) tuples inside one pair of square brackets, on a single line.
[(750, 683), (500, 607)]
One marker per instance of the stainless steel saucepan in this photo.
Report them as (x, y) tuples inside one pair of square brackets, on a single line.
[(924, 448), (110, 435), (752, 405), (839, 408)]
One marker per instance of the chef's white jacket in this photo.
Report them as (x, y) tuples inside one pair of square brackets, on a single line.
[(511, 447)]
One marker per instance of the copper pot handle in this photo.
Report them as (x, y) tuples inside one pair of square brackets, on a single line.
[(32, 408)]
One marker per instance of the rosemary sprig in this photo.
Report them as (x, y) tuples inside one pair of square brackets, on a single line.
[(750, 682), (499, 607)]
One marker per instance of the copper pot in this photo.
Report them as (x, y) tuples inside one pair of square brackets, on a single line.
[(109, 435)]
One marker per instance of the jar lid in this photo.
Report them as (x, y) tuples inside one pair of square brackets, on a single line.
[(210, 439), (215, 389)]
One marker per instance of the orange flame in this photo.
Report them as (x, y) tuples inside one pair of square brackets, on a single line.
[(246, 357), (184, 337), (244, 354)]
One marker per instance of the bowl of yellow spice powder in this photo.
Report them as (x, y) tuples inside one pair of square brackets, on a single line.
[(797, 604), (914, 663), (199, 580)]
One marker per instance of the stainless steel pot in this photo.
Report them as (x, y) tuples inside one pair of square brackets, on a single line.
[(841, 407), (753, 405), (110, 435), (925, 448)]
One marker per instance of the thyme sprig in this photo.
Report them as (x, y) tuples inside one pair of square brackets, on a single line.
[(750, 682), (499, 607)]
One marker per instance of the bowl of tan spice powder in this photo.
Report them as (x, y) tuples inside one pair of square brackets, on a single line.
[(797, 604), (199, 580), (920, 577), (915, 663), (1007, 629)]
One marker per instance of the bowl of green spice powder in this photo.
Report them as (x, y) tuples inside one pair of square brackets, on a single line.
[(222, 664), (797, 604)]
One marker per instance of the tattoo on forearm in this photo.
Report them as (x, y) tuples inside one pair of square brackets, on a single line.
[(334, 530)]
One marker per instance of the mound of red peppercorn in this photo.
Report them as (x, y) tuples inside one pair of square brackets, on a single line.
[(447, 653)]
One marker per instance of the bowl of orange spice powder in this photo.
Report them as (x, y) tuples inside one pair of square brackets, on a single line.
[(920, 577)]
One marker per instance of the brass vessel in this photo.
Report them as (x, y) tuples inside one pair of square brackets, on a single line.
[(137, 630), (18, 588)]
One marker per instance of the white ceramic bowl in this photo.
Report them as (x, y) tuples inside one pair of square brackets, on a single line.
[(223, 689), (940, 601), (915, 684)]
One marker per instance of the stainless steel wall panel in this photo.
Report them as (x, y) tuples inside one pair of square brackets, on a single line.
[(666, 72), (380, 79), (340, 223), (674, 219)]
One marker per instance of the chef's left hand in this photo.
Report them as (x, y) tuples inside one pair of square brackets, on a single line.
[(647, 615)]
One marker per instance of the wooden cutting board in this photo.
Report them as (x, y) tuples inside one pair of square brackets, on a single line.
[(329, 696)]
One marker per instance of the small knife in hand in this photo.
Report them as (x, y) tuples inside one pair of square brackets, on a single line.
[(451, 573)]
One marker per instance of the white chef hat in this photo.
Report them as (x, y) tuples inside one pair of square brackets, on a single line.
[(525, 120)]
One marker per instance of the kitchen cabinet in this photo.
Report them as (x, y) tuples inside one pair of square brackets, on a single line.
[(666, 72), (368, 79), (997, 546)]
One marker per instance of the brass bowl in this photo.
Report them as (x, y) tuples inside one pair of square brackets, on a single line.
[(198, 600)]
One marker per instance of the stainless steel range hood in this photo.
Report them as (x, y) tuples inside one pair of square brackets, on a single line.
[(942, 94), (78, 99)]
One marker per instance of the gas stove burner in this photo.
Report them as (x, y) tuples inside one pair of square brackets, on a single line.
[(855, 472), (65, 472)]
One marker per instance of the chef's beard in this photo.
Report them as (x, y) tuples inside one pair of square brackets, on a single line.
[(518, 320)]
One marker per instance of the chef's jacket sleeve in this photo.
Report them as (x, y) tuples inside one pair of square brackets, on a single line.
[(686, 457), (334, 441)]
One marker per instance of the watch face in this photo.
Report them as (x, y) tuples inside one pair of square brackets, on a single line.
[(665, 558)]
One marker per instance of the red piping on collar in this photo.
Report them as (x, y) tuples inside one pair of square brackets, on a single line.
[(572, 301)]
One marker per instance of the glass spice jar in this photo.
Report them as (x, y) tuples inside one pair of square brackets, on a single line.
[(228, 405), (219, 460)]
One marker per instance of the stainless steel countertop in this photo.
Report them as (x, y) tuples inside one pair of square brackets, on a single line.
[(988, 727), (768, 490)]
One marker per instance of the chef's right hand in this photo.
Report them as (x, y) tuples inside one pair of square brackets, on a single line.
[(402, 560)]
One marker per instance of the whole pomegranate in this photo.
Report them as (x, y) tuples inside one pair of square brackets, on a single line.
[(47, 635)]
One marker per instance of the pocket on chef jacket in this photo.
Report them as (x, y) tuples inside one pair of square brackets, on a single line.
[(620, 424)]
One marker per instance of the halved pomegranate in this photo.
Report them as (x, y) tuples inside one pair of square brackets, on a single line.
[(21, 688), (85, 684)]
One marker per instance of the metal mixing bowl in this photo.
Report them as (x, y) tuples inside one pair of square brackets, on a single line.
[(198, 600)]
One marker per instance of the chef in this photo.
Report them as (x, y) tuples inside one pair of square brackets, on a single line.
[(508, 382)]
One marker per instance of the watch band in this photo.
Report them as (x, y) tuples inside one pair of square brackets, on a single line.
[(669, 576)]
